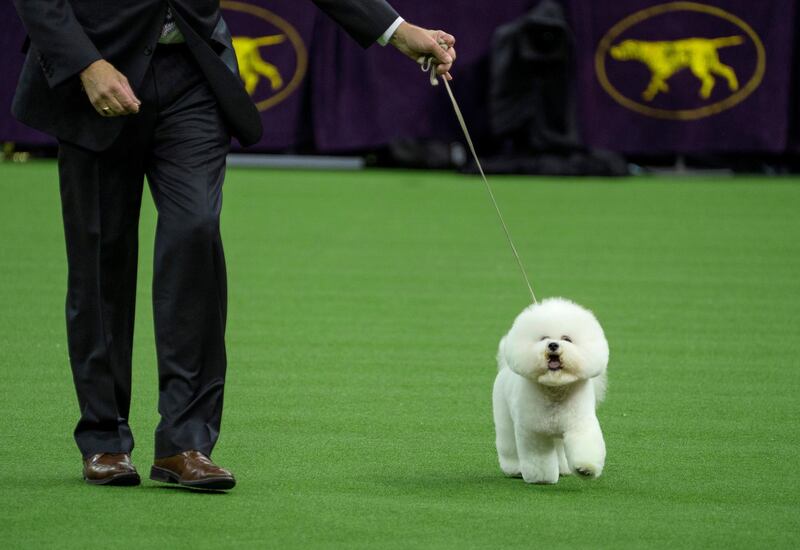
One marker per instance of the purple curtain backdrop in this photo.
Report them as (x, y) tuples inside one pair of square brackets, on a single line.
[(12, 35), (375, 96), (318, 90), (284, 102)]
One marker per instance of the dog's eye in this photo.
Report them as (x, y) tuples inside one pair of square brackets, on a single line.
[(544, 338), (566, 338)]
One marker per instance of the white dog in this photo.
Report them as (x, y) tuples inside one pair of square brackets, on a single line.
[(552, 375)]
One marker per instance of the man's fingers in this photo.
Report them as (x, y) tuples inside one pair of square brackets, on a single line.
[(119, 99), (424, 46), (128, 103), (444, 68), (109, 90), (445, 57), (122, 92), (129, 91), (441, 56), (107, 105), (448, 39)]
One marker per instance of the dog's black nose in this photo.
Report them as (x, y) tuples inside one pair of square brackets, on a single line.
[(553, 346)]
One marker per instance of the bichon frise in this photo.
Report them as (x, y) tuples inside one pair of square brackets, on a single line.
[(552, 375)]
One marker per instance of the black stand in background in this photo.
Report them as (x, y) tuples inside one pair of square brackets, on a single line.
[(532, 105)]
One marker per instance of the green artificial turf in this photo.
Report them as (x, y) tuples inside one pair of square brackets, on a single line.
[(365, 311)]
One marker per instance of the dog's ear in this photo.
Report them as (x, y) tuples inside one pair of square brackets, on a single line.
[(596, 357), (512, 356)]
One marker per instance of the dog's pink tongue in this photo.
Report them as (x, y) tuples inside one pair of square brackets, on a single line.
[(553, 364)]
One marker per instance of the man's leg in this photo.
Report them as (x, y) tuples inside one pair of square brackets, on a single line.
[(186, 171), (101, 197)]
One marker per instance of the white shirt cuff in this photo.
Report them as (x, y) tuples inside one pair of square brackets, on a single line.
[(385, 37)]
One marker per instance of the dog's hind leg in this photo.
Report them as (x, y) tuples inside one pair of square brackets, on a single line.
[(727, 73), (504, 440)]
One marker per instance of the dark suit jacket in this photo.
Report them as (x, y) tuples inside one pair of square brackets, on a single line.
[(68, 35)]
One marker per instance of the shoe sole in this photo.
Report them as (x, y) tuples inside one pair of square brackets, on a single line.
[(211, 483), (119, 480)]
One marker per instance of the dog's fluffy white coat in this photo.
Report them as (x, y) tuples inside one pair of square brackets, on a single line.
[(552, 374)]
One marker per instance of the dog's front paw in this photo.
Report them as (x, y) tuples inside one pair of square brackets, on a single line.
[(588, 471), (539, 480), (510, 467), (539, 477)]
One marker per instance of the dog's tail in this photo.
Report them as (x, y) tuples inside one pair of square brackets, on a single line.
[(269, 40), (728, 41), (501, 354), (600, 384)]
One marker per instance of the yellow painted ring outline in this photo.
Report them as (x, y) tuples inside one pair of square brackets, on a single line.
[(294, 38), (683, 114)]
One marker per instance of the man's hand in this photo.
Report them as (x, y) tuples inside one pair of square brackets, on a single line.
[(109, 90), (417, 42)]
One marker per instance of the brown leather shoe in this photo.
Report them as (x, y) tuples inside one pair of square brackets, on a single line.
[(110, 469), (192, 469)]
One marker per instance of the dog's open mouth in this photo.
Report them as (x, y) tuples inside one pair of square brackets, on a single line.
[(554, 362)]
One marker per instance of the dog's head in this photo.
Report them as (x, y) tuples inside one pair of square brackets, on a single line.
[(555, 343), (625, 50)]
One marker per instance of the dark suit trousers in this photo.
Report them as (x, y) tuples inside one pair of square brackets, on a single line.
[(179, 142)]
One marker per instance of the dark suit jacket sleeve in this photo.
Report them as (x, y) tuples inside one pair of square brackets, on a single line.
[(364, 20), (62, 45)]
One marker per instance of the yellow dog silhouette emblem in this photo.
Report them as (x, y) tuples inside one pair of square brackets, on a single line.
[(664, 59), (252, 66)]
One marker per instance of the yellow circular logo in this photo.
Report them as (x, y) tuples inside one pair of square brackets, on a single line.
[(648, 89), (274, 60)]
